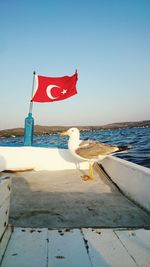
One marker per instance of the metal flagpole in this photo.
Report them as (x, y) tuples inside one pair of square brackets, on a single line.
[(33, 84), (29, 121)]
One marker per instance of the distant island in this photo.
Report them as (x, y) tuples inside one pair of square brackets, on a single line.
[(43, 130)]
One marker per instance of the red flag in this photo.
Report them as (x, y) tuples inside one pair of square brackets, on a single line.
[(54, 89)]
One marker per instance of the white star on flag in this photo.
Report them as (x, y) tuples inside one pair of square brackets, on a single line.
[(64, 91)]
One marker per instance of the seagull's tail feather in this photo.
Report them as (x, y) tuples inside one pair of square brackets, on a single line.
[(124, 148)]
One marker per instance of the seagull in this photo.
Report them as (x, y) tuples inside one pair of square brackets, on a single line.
[(90, 150)]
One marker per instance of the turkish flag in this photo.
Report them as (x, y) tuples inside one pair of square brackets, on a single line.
[(50, 89)]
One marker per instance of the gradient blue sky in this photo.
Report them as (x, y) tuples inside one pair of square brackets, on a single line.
[(108, 41)]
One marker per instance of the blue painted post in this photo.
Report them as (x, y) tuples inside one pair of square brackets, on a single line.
[(28, 130), (29, 122)]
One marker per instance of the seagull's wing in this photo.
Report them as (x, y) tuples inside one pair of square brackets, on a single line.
[(92, 149)]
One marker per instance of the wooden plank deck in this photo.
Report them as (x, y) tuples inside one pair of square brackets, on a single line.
[(67, 248), (137, 244), (105, 249), (27, 247), (4, 241), (5, 189), (78, 247)]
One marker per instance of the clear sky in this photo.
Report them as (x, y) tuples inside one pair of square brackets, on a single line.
[(108, 41)]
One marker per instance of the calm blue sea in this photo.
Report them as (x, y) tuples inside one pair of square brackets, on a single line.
[(139, 138)]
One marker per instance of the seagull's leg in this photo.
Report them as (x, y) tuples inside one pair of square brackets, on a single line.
[(91, 172), (90, 175)]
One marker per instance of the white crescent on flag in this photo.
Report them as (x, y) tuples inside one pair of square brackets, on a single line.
[(48, 91)]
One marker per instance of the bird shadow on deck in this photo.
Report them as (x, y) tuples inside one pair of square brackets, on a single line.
[(61, 199), (64, 153)]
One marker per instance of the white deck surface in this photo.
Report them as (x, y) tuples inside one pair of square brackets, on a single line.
[(32, 247)]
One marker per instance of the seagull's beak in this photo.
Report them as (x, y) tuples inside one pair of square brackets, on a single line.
[(64, 133)]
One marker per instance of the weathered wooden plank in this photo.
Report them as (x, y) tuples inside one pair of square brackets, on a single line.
[(4, 214), (66, 248), (5, 188), (4, 241), (137, 243), (26, 248), (105, 249)]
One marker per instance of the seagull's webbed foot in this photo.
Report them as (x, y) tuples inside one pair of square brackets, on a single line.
[(86, 178)]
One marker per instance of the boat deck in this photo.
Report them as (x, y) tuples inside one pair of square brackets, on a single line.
[(78, 248), (61, 199), (59, 220)]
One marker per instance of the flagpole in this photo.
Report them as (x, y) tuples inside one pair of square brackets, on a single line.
[(29, 121), (33, 84)]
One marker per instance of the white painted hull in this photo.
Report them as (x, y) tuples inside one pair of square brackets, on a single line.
[(37, 158)]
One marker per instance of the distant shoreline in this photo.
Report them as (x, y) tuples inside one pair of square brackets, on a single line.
[(43, 130)]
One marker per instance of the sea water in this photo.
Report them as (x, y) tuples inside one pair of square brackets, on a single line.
[(138, 138)]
